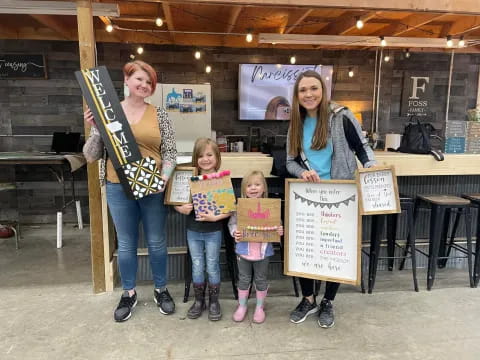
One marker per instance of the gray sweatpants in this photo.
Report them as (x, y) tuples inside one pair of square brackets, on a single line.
[(260, 270)]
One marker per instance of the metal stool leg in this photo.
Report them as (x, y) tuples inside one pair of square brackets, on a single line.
[(378, 222), (468, 229), (437, 216), (391, 237), (442, 250), (476, 272), (411, 237)]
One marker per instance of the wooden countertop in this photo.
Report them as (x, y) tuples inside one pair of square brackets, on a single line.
[(426, 165)]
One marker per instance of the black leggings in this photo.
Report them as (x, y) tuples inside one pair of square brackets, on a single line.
[(331, 288)]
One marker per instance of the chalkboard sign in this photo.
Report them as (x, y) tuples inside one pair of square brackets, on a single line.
[(378, 191), (19, 66), (259, 219), (178, 187), (323, 230)]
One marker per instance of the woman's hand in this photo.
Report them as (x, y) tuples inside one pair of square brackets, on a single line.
[(88, 117), (280, 230), (237, 235), (310, 176), (184, 209)]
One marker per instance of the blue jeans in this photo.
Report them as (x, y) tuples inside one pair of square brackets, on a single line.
[(210, 243), (127, 215)]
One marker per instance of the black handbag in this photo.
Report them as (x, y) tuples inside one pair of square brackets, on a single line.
[(417, 137)]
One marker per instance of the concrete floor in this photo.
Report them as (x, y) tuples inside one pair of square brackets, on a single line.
[(50, 312)]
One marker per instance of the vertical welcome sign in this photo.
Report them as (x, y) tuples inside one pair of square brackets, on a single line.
[(323, 230), (139, 176)]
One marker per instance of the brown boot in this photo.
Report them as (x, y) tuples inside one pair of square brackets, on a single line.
[(198, 305), (214, 311)]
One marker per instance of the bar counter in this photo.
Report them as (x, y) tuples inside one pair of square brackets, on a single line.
[(426, 165)]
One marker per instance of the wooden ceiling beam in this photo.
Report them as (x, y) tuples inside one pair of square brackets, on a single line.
[(232, 19), (471, 7), (30, 7), (7, 31), (169, 18), (409, 23), (347, 22), (294, 19), (55, 24), (464, 26)]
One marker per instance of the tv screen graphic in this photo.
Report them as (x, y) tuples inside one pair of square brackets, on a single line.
[(266, 90)]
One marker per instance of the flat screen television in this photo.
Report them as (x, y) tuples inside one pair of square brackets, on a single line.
[(265, 90)]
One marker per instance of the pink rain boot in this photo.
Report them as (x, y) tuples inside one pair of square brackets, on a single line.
[(259, 315), (241, 311)]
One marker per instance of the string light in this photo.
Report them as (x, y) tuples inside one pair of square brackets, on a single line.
[(449, 41), (293, 60), (350, 72), (383, 42), (158, 22), (208, 69), (198, 55), (359, 23), (387, 58), (109, 28), (249, 37), (461, 42), (407, 53), (140, 50)]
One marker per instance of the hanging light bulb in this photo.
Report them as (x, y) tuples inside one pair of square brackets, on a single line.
[(293, 60), (109, 28), (158, 22), (350, 72), (359, 23), (407, 53), (449, 41), (387, 58), (140, 50), (198, 55), (132, 57), (208, 69), (461, 42), (249, 37), (278, 66), (383, 42)]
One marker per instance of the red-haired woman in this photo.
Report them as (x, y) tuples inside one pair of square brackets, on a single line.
[(155, 137)]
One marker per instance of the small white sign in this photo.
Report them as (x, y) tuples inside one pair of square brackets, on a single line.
[(378, 191)]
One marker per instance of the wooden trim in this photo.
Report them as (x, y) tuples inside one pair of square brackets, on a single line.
[(171, 250), (86, 43)]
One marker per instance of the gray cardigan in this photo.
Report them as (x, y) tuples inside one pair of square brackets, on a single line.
[(347, 140)]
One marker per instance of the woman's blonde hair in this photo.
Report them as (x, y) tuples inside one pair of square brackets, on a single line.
[(298, 114), (200, 146), (248, 177)]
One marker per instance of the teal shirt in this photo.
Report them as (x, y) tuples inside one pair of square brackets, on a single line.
[(319, 160)]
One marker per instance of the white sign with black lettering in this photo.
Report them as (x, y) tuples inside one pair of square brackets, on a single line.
[(323, 230), (178, 187), (378, 191)]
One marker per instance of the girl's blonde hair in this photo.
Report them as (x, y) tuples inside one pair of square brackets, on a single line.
[(200, 146), (298, 114), (248, 177)]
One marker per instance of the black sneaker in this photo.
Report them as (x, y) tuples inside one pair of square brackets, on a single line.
[(125, 306), (304, 309), (326, 317), (164, 302)]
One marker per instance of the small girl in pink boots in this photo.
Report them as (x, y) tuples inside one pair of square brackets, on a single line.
[(251, 256)]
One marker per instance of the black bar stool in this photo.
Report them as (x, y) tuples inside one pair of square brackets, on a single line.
[(378, 222), (475, 201), (441, 207)]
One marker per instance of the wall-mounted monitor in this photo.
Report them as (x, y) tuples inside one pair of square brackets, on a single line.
[(265, 90)]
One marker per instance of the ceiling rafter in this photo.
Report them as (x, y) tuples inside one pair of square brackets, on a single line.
[(169, 18), (409, 23), (464, 26), (53, 23), (294, 20)]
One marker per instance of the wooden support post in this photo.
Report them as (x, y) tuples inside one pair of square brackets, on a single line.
[(86, 43)]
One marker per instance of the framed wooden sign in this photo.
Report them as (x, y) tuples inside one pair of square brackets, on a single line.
[(23, 66), (378, 191), (178, 188), (258, 219), (323, 230), (213, 195)]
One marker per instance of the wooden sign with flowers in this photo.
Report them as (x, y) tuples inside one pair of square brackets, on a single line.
[(259, 219), (212, 193)]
